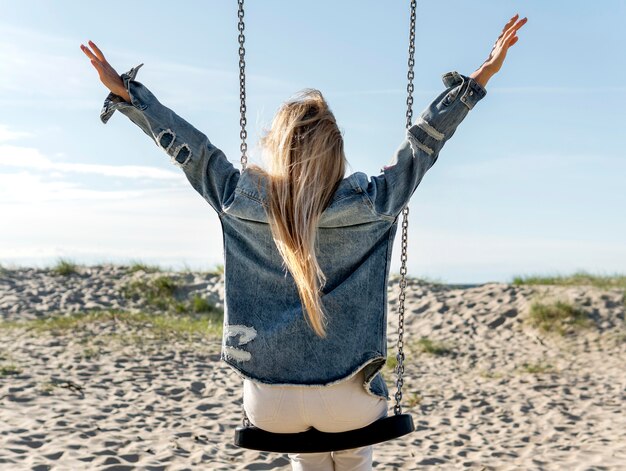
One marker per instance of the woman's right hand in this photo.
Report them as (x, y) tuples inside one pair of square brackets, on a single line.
[(108, 76)]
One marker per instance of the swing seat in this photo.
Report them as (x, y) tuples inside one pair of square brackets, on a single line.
[(314, 441)]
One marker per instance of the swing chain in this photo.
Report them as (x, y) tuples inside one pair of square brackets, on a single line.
[(410, 74), (405, 222), (400, 345), (243, 134)]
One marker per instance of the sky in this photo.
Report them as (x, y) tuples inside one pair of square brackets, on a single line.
[(532, 182)]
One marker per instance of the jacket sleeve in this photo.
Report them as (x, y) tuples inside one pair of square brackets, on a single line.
[(391, 191), (206, 167)]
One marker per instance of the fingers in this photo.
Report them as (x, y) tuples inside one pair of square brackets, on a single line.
[(97, 51), (512, 29), (518, 25), (88, 53), (509, 23), (521, 23)]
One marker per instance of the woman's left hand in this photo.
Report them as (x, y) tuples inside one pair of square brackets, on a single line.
[(506, 39), (498, 52)]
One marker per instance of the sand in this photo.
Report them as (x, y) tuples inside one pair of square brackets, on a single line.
[(499, 395)]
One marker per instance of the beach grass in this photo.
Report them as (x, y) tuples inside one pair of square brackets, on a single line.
[(433, 347), (65, 267), (537, 368), (414, 399), (9, 369), (491, 374), (424, 345), (577, 278), (392, 361), (139, 323), (558, 317), (162, 292), (138, 265), (158, 292)]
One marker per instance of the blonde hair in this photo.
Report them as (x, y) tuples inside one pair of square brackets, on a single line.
[(306, 164)]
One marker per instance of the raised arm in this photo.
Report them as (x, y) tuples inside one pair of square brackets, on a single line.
[(206, 167), (392, 189)]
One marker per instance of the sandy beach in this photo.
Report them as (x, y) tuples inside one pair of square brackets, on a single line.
[(118, 385)]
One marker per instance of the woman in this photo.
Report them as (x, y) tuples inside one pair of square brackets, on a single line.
[(306, 250)]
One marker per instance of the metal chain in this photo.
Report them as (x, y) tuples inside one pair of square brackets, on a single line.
[(405, 221), (243, 134), (410, 74)]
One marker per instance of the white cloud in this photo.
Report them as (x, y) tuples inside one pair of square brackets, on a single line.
[(31, 158), (472, 257), (563, 90), (7, 134), (27, 79), (168, 225), (511, 164), (23, 187)]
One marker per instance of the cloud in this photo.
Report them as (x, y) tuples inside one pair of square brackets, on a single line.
[(28, 57), (512, 164), (563, 90), (31, 158), (8, 135), (24, 187)]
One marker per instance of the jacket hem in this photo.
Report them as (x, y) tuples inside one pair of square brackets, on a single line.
[(366, 384)]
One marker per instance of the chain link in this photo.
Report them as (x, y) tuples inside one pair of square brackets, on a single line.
[(411, 64), (243, 134), (405, 222)]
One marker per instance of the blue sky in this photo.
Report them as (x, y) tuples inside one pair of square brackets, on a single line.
[(531, 182)]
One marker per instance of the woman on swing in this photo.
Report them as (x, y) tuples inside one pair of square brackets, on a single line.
[(306, 250)]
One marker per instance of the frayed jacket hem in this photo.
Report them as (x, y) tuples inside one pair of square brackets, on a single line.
[(380, 360)]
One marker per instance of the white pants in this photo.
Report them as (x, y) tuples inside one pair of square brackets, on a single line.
[(336, 408)]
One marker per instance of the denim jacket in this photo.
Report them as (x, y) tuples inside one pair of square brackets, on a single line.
[(266, 337)]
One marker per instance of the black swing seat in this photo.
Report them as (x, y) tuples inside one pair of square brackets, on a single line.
[(314, 441)]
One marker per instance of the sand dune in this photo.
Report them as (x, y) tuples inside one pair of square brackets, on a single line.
[(486, 389)]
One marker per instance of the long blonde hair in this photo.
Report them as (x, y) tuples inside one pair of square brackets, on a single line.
[(306, 163)]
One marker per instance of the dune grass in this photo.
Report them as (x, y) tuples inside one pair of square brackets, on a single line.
[(578, 278), (158, 292), (415, 399), (153, 325), (162, 292), (65, 267), (423, 345), (558, 317), (491, 374), (138, 265), (9, 369), (433, 347), (537, 368), (392, 361)]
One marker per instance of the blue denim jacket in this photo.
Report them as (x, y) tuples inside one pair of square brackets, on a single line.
[(266, 337)]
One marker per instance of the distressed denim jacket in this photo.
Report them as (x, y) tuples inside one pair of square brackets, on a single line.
[(266, 336)]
